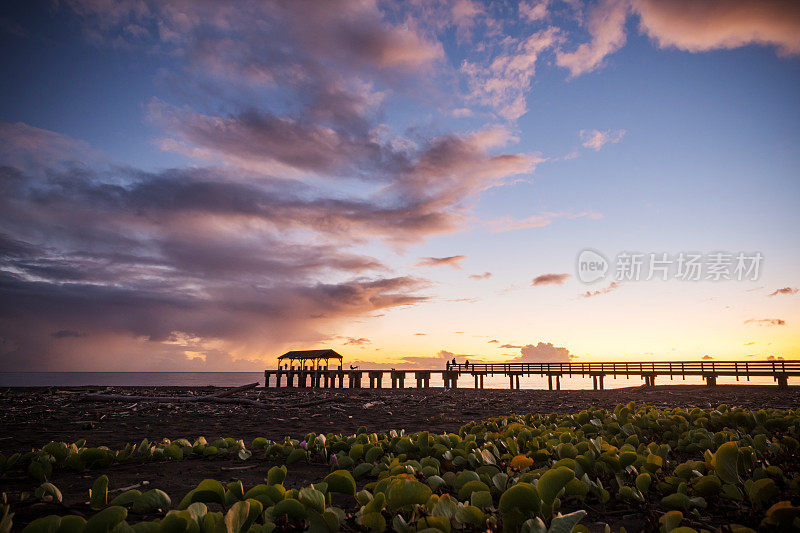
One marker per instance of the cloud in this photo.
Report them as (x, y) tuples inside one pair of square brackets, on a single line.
[(690, 25), (707, 357), (493, 340), (67, 334), (420, 334), (512, 346), (533, 11), (478, 277), (550, 279), (707, 25), (606, 26), (502, 224), (596, 139), (766, 321), (452, 261), (784, 290), (611, 287), (543, 353), (360, 341), (502, 84), (773, 358)]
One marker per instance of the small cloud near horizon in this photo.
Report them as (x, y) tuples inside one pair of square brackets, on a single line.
[(766, 321), (478, 277), (494, 340), (785, 290), (543, 352), (67, 334), (357, 341), (511, 346), (550, 279), (611, 287), (707, 357), (453, 261)]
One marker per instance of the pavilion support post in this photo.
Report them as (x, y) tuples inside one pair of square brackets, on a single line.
[(558, 381), (476, 380), (783, 381), (711, 380), (600, 380), (549, 381), (511, 381), (517, 381), (482, 380)]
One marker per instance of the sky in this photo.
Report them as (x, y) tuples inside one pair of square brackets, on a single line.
[(196, 185)]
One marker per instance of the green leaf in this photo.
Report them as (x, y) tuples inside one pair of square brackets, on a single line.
[(208, 491), (48, 489), (435, 523), (237, 516), (725, 462), (373, 521), (98, 494), (71, 524), (289, 507), (762, 492), (565, 523), (676, 501), (782, 514), (708, 486), (312, 498), (152, 501), (551, 483), (471, 514), (46, 524), (127, 498), (276, 475), (469, 487), (406, 492), (519, 502), (362, 470), (481, 499), (342, 481), (670, 520), (534, 525), (106, 520), (643, 482)]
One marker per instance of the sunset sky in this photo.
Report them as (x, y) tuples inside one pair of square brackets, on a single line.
[(204, 185)]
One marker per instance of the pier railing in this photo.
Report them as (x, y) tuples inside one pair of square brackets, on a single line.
[(779, 370), (686, 368)]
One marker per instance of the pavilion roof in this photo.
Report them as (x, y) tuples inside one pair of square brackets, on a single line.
[(310, 354)]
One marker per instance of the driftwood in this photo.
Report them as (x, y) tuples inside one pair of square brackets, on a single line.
[(220, 397)]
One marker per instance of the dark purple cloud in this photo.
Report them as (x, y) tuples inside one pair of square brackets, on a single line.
[(452, 261), (784, 290), (550, 279)]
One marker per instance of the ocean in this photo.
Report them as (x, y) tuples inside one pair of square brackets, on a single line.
[(232, 379)]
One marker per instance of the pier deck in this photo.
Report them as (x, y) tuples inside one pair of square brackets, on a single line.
[(303, 376)]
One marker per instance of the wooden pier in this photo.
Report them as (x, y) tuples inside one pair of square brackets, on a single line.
[(322, 376)]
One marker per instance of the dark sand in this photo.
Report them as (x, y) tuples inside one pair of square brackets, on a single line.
[(31, 417)]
